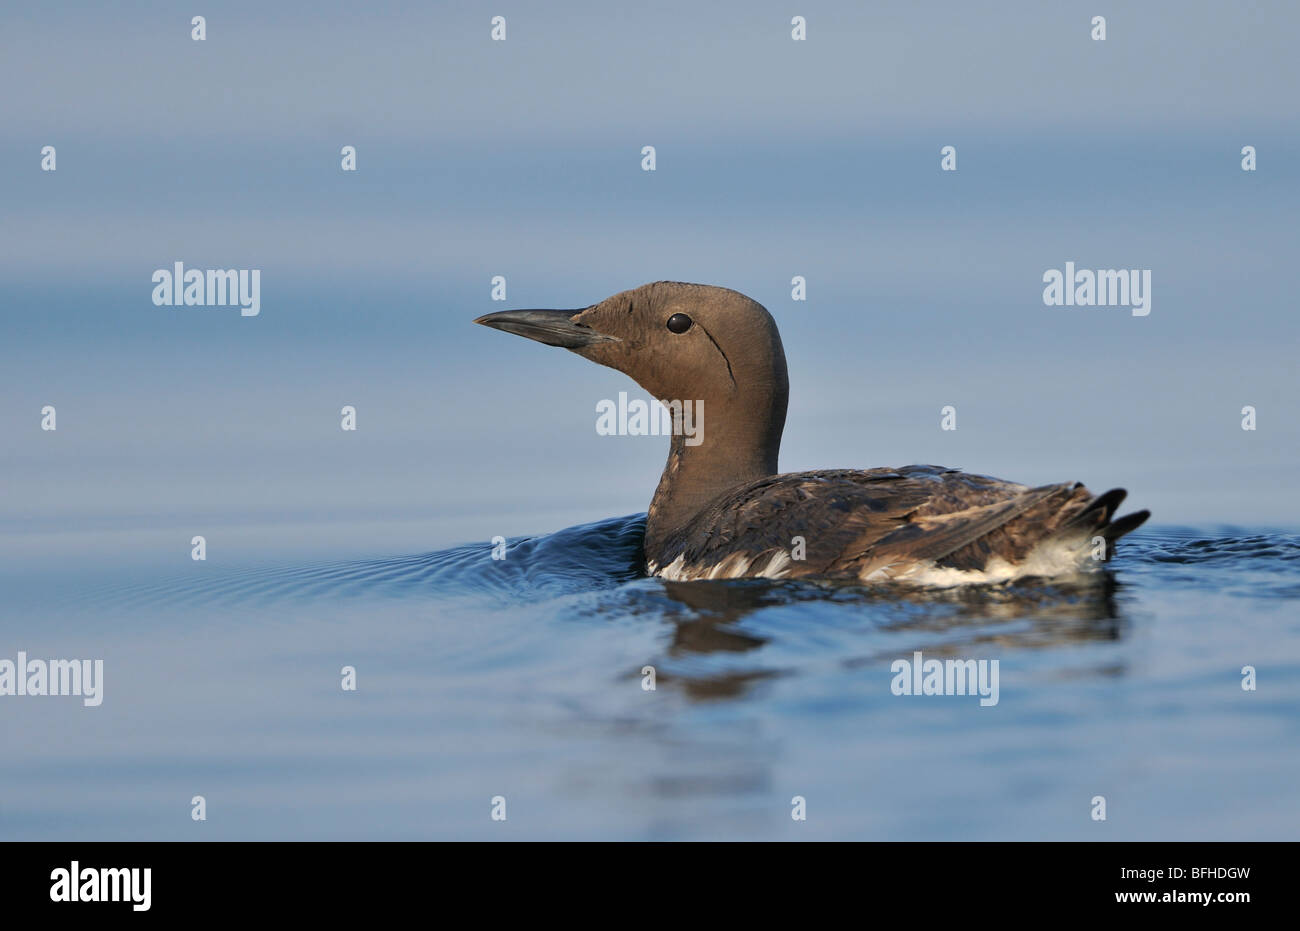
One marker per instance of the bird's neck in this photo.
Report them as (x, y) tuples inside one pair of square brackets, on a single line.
[(733, 448)]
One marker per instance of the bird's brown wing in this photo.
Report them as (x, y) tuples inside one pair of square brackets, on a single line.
[(852, 523)]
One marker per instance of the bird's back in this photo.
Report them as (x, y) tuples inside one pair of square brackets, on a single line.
[(921, 523)]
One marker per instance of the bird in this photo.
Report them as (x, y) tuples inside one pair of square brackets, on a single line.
[(723, 510)]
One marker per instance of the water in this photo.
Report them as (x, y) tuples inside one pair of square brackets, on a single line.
[(522, 678)]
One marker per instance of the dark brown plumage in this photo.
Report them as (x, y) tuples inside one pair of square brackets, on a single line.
[(722, 511)]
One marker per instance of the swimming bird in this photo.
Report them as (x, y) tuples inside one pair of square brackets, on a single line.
[(723, 510)]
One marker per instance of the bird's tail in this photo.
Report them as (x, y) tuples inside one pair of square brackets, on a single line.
[(1098, 519)]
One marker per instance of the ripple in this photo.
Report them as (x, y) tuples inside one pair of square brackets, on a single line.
[(605, 555), (1188, 546), (582, 558)]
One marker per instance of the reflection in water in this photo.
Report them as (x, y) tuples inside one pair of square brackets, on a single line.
[(1030, 614), (709, 626)]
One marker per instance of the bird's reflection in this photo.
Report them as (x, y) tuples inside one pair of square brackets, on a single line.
[(712, 630)]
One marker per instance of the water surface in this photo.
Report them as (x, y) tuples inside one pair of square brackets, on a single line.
[(523, 678)]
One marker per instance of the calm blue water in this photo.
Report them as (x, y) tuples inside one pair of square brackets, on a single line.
[(522, 678)]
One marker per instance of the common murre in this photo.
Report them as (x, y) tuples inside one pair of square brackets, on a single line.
[(721, 510)]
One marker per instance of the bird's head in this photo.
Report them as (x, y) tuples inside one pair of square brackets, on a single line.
[(677, 341)]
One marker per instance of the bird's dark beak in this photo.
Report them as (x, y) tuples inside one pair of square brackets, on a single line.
[(552, 327)]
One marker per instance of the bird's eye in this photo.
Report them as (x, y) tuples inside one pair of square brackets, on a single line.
[(679, 323)]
